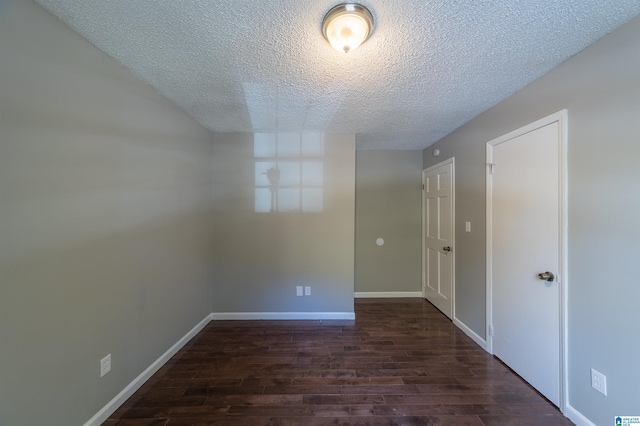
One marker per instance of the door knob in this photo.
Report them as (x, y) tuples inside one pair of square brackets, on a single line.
[(547, 276), (446, 248)]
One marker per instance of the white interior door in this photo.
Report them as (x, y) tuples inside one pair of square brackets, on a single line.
[(525, 235), (438, 262)]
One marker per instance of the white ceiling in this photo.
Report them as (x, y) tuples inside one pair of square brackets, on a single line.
[(264, 66)]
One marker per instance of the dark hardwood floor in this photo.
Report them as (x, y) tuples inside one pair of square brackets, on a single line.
[(400, 363)]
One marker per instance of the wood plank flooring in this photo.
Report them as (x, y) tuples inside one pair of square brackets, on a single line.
[(401, 362)]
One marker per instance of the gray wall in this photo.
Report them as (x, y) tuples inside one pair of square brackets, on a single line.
[(260, 257), (105, 230), (600, 88), (389, 206)]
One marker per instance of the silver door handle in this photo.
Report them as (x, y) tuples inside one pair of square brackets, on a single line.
[(546, 276), (446, 248)]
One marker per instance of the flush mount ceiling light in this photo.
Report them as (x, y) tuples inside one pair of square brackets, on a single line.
[(347, 25)]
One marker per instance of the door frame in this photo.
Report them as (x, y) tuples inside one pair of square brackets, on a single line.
[(559, 117), (453, 231)]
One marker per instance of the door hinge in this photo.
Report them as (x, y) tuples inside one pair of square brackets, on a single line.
[(491, 167), (490, 330), (423, 186)]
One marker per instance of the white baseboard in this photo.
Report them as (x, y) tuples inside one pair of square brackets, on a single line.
[(130, 389), (577, 417), (571, 413), (385, 294), (469, 332), (220, 316)]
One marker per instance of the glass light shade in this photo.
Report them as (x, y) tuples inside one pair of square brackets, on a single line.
[(347, 26)]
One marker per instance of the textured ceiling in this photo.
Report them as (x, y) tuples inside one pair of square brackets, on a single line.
[(263, 65)]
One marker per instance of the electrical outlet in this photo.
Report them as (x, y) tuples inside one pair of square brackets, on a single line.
[(298, 290), (467, 226), (599, 382), (307, 291), (105, 365)]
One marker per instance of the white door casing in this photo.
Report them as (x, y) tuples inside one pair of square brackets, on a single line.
[(438, 236), (526, 230)]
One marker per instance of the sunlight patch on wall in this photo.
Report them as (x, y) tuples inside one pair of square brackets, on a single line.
[(288, 172)]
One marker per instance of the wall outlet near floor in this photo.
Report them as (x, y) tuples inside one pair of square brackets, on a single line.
[(105, 365), (298, 290), (467, 226), (307, 290), (599, 382)]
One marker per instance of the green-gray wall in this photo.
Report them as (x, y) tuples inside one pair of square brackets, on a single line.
[(260, 257), (105, 222), (600, 88), (388, 206)]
